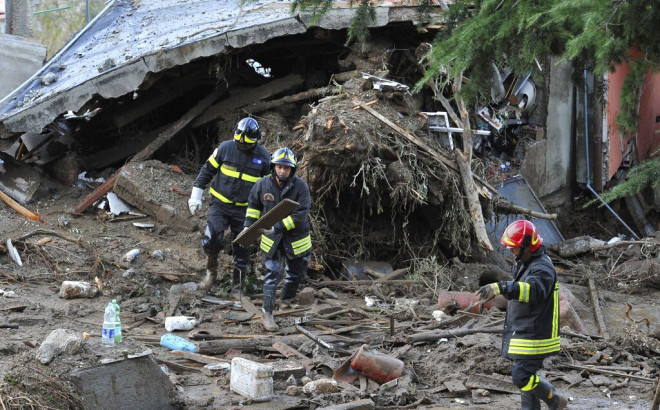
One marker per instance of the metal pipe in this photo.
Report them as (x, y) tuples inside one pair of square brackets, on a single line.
[(586, 146), (35, 13)]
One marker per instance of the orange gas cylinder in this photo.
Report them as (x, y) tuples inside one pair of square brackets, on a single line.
[(463, 300)]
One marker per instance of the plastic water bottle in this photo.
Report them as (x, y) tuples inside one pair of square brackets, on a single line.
[(174, 342), (118, 337), (131, 255), (108, 334)]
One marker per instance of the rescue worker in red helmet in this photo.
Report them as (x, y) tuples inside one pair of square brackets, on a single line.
[(287, 245), (531, 328), (234, 167)]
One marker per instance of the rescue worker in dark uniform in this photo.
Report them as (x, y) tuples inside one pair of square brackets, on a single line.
[(236, 166), (531, 328), (287, 245)]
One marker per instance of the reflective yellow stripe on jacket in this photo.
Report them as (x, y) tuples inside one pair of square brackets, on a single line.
[(213, 161), (533, 347), (302, 245), (233, 173), (253, 213), (524, 292), (288, 223), (266, 243), (555, 312), (225, 199), (542, 346)]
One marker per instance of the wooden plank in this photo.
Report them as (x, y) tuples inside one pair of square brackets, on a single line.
[(249, 306), (611, 373), (240, 98), (289, 351), (199, 358), (455, 386), (482, 381), (593, 291), (279, 212)]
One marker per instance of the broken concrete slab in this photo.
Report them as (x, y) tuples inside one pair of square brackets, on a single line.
[(137, 383), (59, 341), (149, 187), (22, 182)]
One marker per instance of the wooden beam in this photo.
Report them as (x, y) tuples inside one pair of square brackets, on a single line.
[(593, 292), (150, 149), (242, 98)]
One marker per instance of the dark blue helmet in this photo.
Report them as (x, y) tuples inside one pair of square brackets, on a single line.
[(248, 129), (284, 156)]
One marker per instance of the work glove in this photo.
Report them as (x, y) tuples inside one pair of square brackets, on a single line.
[(487, 292), (195, 201), (268, 231)]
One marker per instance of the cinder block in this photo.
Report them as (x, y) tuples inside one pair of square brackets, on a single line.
[(306, 297)]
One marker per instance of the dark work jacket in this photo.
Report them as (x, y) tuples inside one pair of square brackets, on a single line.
[(292, 231), (237, 171), (531, 328)]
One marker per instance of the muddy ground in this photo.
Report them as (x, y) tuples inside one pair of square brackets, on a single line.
[(51, 255)]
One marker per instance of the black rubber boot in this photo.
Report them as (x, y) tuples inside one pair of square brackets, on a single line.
[(288, 295), (211, 272), (529, 401), (237, 284), (546, 392), (267, 310)]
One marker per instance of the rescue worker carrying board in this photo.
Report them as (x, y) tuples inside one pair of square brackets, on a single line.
[(531, 327), (236, 166), (286, 246)]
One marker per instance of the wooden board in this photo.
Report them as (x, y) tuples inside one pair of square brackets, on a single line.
[(281, 211)]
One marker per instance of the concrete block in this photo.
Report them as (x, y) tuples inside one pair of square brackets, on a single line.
[(59, 341), (137, 384), (327, 294), (306, 297), (22, 182), (21, 59), (286, 370), (149, 187)]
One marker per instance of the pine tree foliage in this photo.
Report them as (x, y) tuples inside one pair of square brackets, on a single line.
[(645, 174), (365, 14), (598, 34)]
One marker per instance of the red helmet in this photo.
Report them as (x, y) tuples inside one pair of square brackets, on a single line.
[(521, 234)]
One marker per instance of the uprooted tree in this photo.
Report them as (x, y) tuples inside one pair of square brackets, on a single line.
[(480, 36)]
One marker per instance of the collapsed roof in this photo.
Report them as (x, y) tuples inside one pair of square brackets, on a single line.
[(129, 42)]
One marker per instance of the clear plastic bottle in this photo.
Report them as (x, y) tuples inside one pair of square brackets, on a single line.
[(118, 337), (108, 334)]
